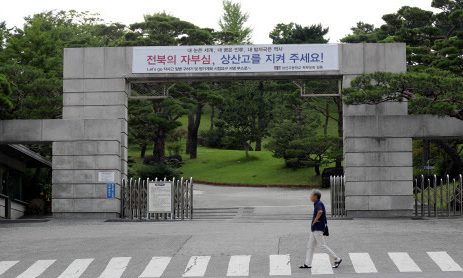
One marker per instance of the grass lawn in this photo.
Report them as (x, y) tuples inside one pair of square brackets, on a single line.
[(230, 166)]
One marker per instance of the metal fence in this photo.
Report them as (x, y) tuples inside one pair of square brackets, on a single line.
[(150, 90), (437, 197), (134, 200), (338, 196)]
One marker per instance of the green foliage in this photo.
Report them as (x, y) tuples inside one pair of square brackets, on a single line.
[(36, 207), (159, 171), (153, 120), (175, 148), (162, 29), (296, 34), (431, 91), (364, 33), (35, 94), (5, 92), (32, 58), (232, 24), (214, 137), (244, 109), (295, 137)]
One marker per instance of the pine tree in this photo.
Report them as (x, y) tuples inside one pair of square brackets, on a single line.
[(232, 24)]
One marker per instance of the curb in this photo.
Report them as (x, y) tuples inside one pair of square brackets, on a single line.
[(257, 185)]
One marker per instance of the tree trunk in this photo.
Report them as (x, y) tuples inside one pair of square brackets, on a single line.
[(212, 116), (159, 152), (425, 153), (452, 152), (338, 101), (191, 123), (260, 119), (194, 132), (258, 145), (317, 169), (246, 148), (327, 118), (143, 150)]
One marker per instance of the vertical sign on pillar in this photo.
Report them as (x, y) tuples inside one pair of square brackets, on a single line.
[(110, 190)]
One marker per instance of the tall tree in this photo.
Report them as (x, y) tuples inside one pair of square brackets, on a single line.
[(364, 33), (162, 29), (295, 139), (199, 94), (433, 40), (32, 58), (432, 91), (240, 113), (232, 24), (296, 34), (156, 118), (293, 33)]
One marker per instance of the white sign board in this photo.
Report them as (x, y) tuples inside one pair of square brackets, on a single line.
[(106, 176), (236, 58), (160, 197)]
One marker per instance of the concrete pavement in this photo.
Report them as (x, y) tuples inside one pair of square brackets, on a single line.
[(213, 247)]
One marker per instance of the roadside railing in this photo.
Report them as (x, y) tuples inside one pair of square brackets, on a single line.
[(438, 197), (135, 198), (338, 196), (5, 204)]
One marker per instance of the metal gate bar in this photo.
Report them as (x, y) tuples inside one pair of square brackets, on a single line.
[(134, 199), (440, 198), (338, 196)]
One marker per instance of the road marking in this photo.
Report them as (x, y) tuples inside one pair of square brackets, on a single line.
[(156, 267), (280, 265), (115, 267), (36, 269), (404, 262), (5, 265), (444, 261), (321, 264), (76, 268), (197, 266), (362, 263), (239, 266)]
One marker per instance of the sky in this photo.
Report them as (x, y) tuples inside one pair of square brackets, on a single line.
[(338, 15)]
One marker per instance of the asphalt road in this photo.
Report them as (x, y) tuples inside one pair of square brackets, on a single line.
[(237, 231)]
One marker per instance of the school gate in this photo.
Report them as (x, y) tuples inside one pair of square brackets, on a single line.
[(90, 142)]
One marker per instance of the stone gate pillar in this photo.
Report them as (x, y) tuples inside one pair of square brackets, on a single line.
[(378, 164), (94, 91)]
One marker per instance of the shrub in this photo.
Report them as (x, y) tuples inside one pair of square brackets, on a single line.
[(174, 148), (37, 207), (213, 138), (159, 171)]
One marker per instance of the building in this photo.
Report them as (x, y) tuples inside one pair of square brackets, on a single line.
[(14, 162)]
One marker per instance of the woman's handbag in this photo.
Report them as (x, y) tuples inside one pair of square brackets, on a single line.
[(326, 232)]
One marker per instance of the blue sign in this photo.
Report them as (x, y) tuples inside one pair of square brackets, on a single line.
[(110, 190)]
